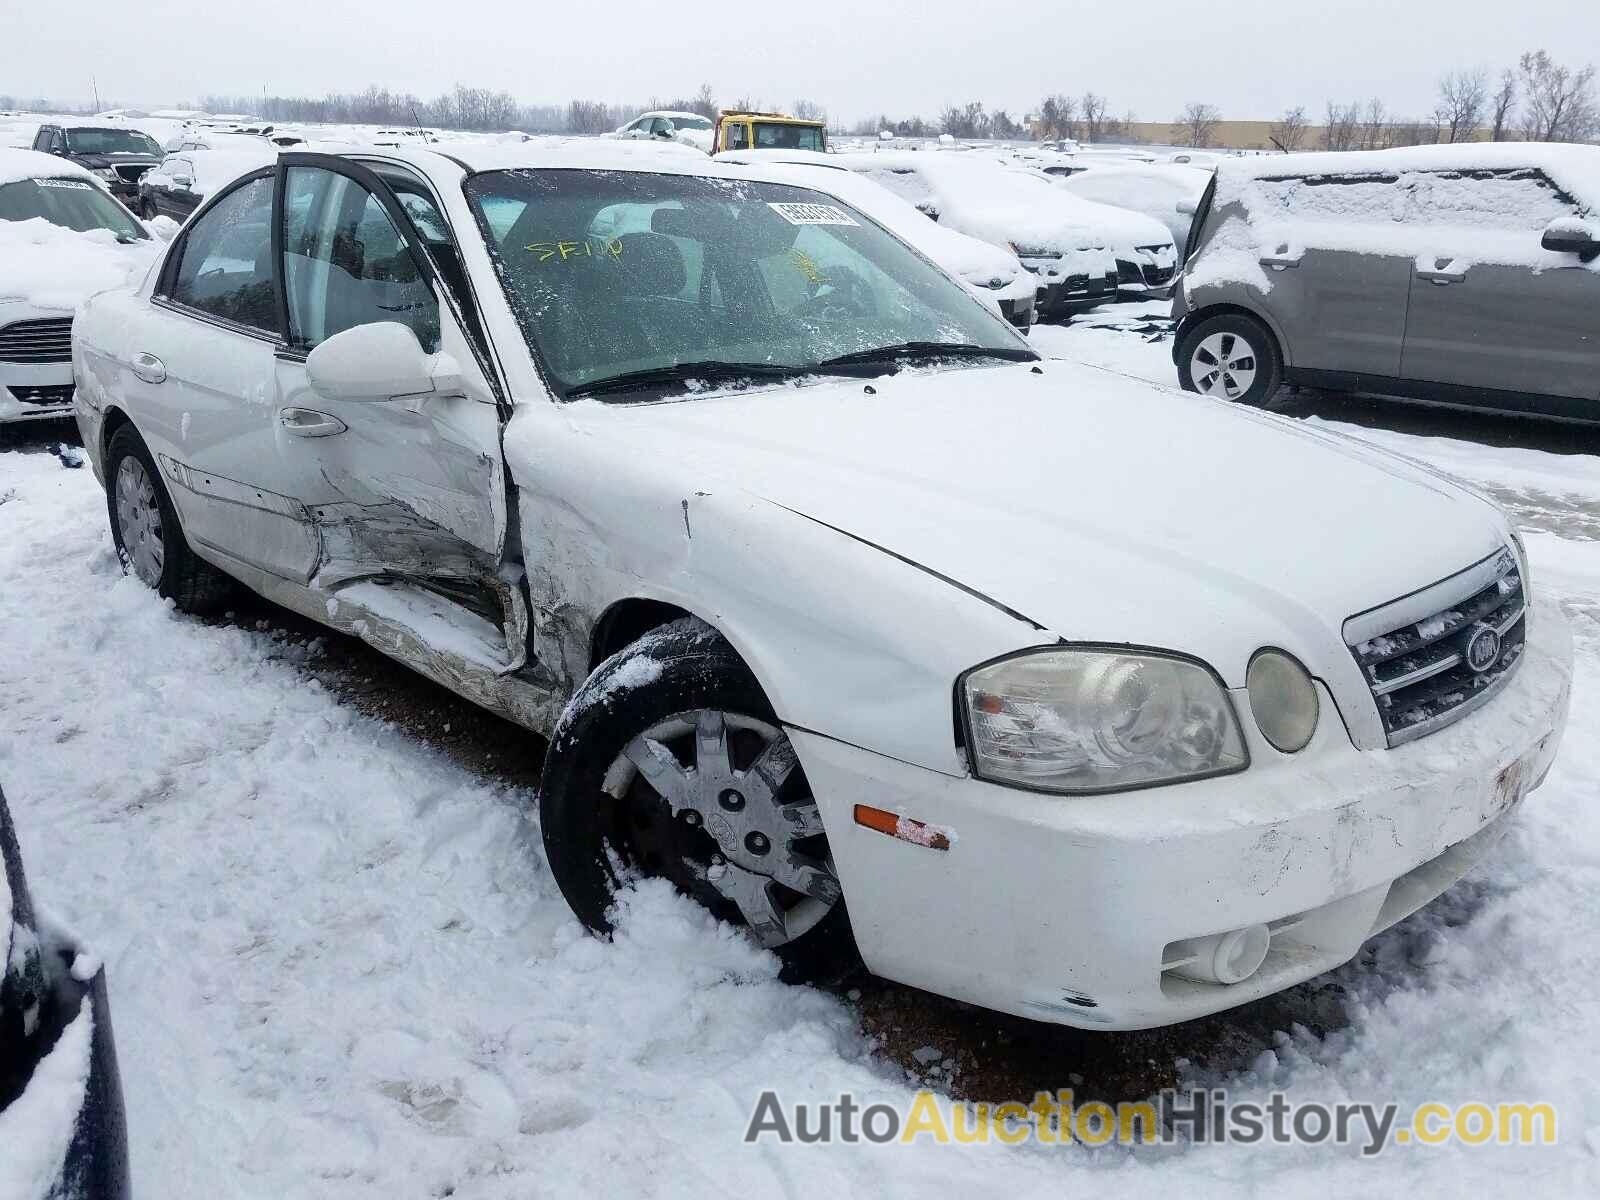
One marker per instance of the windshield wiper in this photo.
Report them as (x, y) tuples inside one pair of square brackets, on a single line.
[(929, 350), (711, 370)]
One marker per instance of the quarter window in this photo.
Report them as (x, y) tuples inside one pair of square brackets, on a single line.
[(345, 264), (225, 263)]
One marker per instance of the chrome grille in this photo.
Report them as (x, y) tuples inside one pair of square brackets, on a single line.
[(1433, 657), (43, 341)]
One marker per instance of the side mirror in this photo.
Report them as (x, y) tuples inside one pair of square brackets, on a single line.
[(381, 361), (1568, 235), (1188, 207)]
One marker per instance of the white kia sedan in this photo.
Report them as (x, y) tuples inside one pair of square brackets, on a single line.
[(1034, 685)]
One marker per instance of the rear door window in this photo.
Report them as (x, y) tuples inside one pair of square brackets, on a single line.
[(1512, 201), (225, 261)]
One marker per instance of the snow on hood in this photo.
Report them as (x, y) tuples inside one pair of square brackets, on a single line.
[(1100, 507), (49, 267), (979, 196), (964, 256)]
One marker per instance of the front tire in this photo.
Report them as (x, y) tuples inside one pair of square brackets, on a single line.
[(670, 762), (1231, 357), (145, 531)]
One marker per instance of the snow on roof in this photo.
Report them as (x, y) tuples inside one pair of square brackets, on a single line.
[(582, 154), (1575, 169), (19, 164)]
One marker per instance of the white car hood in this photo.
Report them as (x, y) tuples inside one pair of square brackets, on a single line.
[(1099, 507)]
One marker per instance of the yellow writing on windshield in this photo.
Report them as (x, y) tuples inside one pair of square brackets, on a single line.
[(560, 251)]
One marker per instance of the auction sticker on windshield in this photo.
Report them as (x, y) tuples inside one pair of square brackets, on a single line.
[(78, 184), (811, 214)]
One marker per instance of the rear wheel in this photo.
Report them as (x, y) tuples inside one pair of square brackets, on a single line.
[(1231, 357), (670, 763), (144, 529)]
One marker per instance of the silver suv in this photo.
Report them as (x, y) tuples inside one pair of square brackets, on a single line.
[(1465, 274)]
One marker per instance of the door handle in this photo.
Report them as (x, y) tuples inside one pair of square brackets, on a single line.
[(149, 368), (1441, 278), (1280, 261), (308, 422)]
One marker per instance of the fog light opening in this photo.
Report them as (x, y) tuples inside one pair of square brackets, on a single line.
[(1226, 958)]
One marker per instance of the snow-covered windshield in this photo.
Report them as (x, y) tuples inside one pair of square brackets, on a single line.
[(74, 204), (691, 123), (617, 276), (111, 141)]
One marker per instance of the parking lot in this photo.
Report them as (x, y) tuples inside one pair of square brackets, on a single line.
[(341, 965)]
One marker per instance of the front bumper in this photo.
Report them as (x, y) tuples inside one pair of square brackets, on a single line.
[(1064, 908), (35, 391)]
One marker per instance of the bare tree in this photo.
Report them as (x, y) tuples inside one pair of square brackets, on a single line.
[(808, 110), (1343, 128), (1289, 130), (1462, 96), (588, 116), (1094, 117), (1559, 103), (967, 122), (1503, 103), (1199, 124), (1374, 130)]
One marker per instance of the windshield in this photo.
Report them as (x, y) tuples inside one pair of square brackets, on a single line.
[(771, 136), (73, 204), (611, 273), (691, 123), (110, 141)]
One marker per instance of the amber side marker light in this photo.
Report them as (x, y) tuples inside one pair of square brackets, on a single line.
[(918, 833)]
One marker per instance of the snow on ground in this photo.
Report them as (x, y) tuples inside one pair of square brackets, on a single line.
[(339, 966)]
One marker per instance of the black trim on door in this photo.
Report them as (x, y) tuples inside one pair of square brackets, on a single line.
[(1519, 404)]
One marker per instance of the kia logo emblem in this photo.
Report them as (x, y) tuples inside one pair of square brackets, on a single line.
[(1483, 650)]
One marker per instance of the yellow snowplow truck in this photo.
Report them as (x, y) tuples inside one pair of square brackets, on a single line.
[(769, 131)]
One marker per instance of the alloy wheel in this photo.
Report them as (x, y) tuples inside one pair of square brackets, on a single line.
[(1223, 365)]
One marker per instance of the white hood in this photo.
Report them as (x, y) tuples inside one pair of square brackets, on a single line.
[(1097, 506)]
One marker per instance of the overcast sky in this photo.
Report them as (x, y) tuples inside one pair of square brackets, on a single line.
[(1251, 58)]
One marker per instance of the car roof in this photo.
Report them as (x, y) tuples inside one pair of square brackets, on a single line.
[(17, 165), (1574, 168), (578, 154)]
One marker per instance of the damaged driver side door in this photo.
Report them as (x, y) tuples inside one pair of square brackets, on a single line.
[(407, 491)]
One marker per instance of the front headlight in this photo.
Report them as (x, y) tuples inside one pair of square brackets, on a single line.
[(1098, 720)]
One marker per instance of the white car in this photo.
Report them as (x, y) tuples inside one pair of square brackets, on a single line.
[(996, 276), (691, 129), (823, 601), (1071, 257), (1161, 191), (62, 237)]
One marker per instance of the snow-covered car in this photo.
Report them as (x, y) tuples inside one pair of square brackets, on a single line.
[(1464, 274), (1161, 191), (62, 237), (1071, 259), (184, 179), (1147, 259), (62, 1131), (996, 276), (825, 589), (691, 129)]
